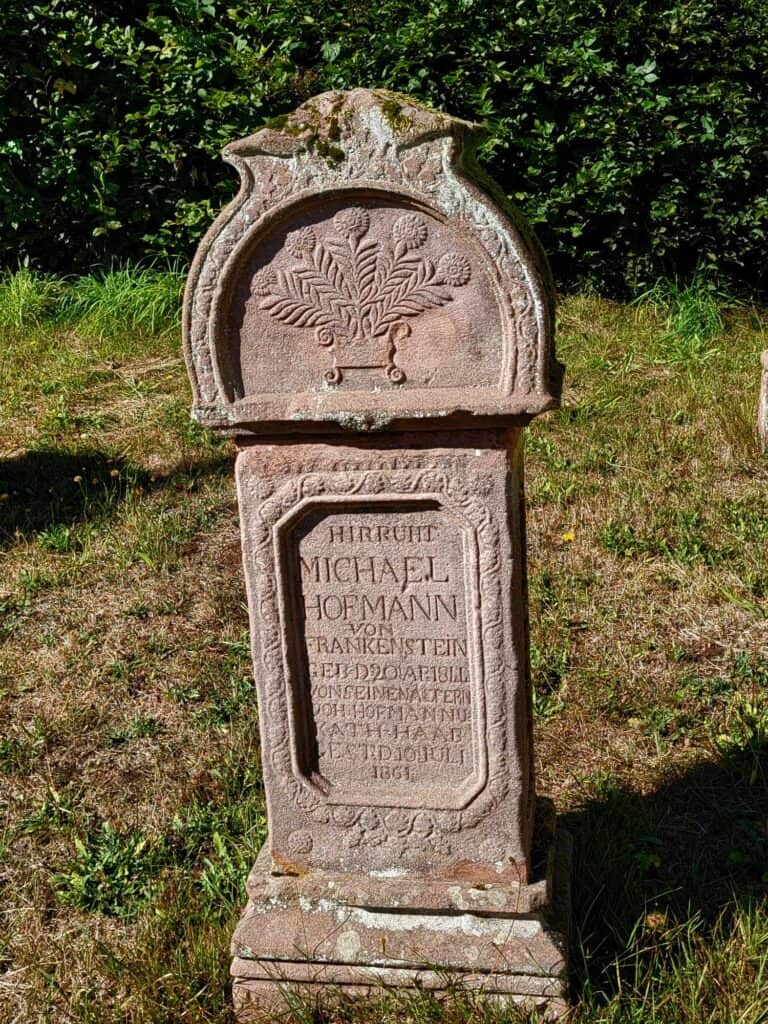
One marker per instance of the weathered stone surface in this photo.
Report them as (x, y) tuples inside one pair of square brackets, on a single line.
[(762, 410), (376, 329), (363, 276), (396, 891), (386, 583), (337, 931)]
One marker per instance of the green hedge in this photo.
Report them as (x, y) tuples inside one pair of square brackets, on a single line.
[(633, 134)]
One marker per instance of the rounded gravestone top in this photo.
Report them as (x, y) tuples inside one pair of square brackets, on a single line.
[(365, 278)]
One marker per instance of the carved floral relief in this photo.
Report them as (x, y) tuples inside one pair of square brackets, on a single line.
[(358, 292)]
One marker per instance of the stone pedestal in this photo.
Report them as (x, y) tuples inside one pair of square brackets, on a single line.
[(376, 331), (306, 934)]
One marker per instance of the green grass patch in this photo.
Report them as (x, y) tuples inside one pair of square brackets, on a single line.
[(110, 303), (29, 299), (129, 755), (124, 300), (112, 872), (693, 314)]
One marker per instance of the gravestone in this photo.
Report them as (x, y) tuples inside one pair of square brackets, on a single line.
[(374, 326)]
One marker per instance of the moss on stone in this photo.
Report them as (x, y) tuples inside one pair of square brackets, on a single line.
[(320, 130), (283, 123), (332, 155), (392, 110), (276, 124), (395, 107)]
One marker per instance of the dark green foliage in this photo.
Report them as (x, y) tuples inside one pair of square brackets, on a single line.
[(632, 134)]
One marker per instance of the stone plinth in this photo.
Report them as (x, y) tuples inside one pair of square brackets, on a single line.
[(376, 330), (359, 932)]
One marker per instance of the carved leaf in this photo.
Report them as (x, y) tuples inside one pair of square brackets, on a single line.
[(359, 287), (404, 271), (327, 264), (293, 312), (410, 290), (315, 290)]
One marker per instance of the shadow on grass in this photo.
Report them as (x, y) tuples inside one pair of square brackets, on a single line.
[(697, 846), (47, 489)]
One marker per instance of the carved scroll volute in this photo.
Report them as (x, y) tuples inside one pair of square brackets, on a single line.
[(362, 277)]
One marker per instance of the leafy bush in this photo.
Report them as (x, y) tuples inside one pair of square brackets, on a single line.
[(632, 134)]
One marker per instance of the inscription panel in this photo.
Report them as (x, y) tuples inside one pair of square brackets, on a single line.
[(397, 617), (382, 689)]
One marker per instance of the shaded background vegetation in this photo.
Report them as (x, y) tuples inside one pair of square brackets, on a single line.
[(632, 134)]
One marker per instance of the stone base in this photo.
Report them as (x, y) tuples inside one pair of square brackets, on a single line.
[(315, 934)]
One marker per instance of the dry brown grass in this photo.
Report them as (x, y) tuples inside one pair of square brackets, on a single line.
[(127, 696)]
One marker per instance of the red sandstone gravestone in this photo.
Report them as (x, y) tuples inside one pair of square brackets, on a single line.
[(376, 330)]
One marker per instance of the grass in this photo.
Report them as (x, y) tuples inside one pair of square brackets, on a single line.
[(123, 301), (116, 302), (694, 318), (129, 764)]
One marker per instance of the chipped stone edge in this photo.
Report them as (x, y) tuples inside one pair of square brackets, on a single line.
[(277, 171), (263, 986)]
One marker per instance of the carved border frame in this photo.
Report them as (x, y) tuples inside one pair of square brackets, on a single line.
[(281, 534), (272, 501)]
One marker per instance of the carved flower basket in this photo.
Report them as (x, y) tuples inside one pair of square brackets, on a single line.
[(364, 353), (357, 292)]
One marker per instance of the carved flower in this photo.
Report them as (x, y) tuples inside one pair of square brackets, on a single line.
[(320, 814), (454, 268), (352, 223), (264, 281), (370, 821), (344, 816), (312, 485), (277, 757), (398, 822), (410, 230), (300, 842), (305, 799), (301, 242), (376, 483), (422, 824)]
